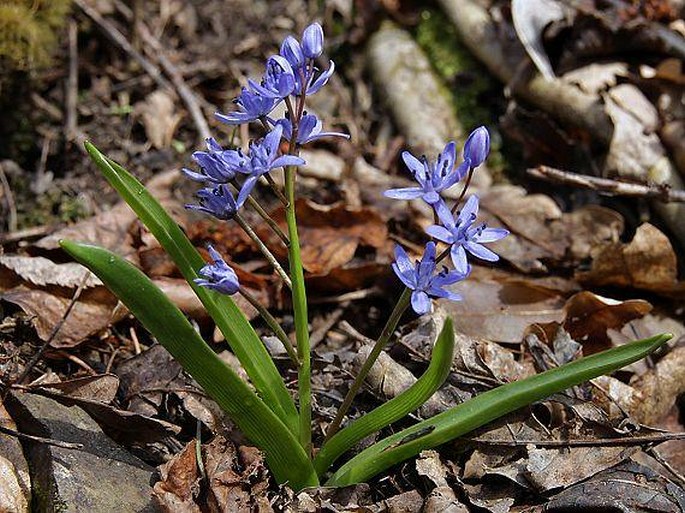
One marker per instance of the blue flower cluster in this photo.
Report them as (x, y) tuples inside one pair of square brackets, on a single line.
[(461, 233), (290, 77)]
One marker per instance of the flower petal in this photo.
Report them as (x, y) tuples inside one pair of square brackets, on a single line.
[(406, 193), (481, 251), (420, 302), (441, 233), (492, 234), (458, 254)]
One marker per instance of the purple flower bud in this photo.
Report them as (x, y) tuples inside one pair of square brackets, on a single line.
[(218, 275), (312, 41), (292, 51), (477, 146)]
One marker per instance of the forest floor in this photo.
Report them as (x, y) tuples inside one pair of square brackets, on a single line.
[(586, 171)]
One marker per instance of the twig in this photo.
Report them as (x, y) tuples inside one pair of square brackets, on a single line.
[(186, 94), (27, 233), (319, 334), (55, 330), (155, 51), (658, 457), (11, 205), (40, 439), (355, 295), (71, 125), (607, 186), (118, 38), (606, 442)]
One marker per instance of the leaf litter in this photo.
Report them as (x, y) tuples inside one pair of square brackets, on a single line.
[(579, 274)]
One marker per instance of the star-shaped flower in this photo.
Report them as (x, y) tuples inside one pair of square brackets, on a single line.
[(420, 278), (463, 235), (432, 179)]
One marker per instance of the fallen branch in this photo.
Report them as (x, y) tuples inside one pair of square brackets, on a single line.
[(661, 192), (40, 439), (603, 442)]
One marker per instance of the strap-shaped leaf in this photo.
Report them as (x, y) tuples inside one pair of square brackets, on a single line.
[(284, 454), (485, 408), (396, 408), (239, 334)]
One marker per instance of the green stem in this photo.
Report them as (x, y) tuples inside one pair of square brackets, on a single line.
[(273, 324), (390, 325), (299, 296)]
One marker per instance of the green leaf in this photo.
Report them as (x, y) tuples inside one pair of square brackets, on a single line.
[(239, 334), (485, 408), (284, 454), (396, 408)]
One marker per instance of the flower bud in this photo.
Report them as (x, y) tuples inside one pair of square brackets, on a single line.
[(312, 41), (477, 146), (292, 51)]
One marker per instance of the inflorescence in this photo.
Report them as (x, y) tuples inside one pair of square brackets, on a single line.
[(290, 77)]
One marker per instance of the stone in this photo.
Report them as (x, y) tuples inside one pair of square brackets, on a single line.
[(100, 477)]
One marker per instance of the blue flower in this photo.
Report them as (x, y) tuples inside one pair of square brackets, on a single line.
[(301, 59), (218, 275), (312, 41), (252, 106), (432, 179), (215, 168), (309, 130), (217, 201), (463, 235), (262, 158), (279, 80), (477, 146), (420, 278)]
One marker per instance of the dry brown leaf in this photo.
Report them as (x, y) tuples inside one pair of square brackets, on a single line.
[(179, 484), (90, 314), (15, 269), (236, 480), (541, 234), (159, 117), (499, 306), (102, 388), (647, 262)]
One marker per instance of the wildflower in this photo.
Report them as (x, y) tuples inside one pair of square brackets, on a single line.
[(217, 201), (215, 169), (262, 158), (218, 275), (301, 59), (432, 179), (279, 80), (420, 279), (252, 106), (309, 129), (463, 235), (477, 146)]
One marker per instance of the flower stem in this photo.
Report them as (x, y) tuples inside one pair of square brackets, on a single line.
[(264, 215), (299, 296), (463, 191), (277, 190), (265, 251), (388, 329), (273, 324)]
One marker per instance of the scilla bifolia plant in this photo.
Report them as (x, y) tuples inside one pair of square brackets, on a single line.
[(267, 414)]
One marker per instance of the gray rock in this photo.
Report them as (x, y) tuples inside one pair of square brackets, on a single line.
[(100, 477)]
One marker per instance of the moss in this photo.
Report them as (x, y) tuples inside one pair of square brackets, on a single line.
[(28, 31), (474, 93)]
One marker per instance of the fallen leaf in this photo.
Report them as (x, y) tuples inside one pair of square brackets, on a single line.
[(90, 315), (498, 306), (159, 117), (15, 269), (647, 262)]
